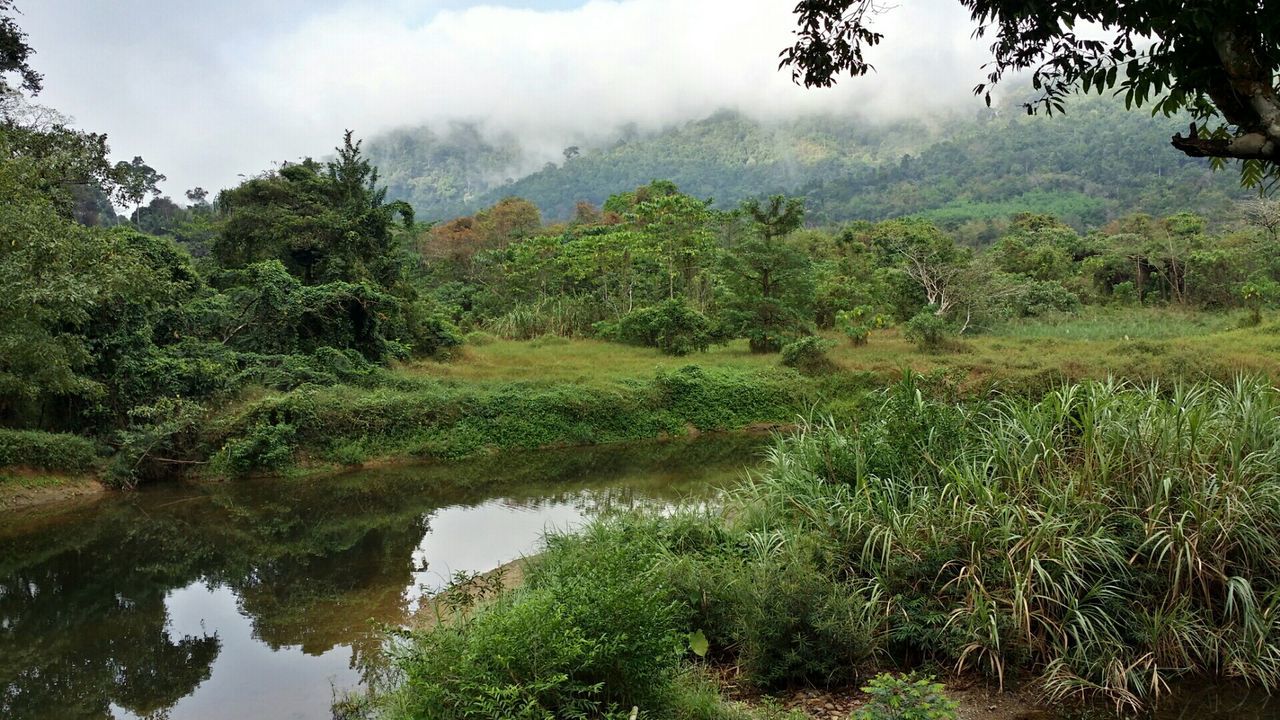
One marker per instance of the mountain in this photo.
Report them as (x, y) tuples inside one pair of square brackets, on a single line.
[(443, 173), (1091, 165)]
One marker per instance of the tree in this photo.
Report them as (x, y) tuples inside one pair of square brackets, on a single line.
[(135, 180), (769, 281), (1216, 60), (1263, 213), (15, 53), (324, 222), (676, 227), (928, 256)]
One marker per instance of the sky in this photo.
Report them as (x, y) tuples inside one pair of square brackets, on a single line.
[(209, 91)]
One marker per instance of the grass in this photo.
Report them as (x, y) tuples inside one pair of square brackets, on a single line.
[(1033, 355), (576, 361), (428, 418), (1121, 323)]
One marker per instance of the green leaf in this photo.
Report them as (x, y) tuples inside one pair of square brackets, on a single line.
[(698, 643)]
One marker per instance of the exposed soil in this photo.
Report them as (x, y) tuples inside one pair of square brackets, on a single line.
[(976, 703), (17, 494), (466, 597)]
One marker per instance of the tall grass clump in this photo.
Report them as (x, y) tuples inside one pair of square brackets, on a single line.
[(560, 316), (1105, 541)]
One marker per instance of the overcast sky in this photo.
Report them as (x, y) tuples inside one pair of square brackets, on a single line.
[(209, 90)]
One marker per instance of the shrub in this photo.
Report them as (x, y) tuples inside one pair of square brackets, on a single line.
[(857, 323), (588, 636), (56, 452), (905, 697), (434, 336), (673, 327), (1125, 293), (1040, 298), (808, 355), (264, 447), (157, 434), (929, 331)]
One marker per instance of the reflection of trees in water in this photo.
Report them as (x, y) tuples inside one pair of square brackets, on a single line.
[(84, 625), (87, 629), (83, 622)]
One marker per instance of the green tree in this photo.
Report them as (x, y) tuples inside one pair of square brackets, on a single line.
[(678, 235), (928, 256), (769, 282), (15, 53), (135, 180), (326, 222), (1216, 60)]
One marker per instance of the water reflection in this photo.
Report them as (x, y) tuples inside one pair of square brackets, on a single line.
[(250, 599)]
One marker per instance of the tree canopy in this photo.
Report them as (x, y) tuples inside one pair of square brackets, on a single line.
[(1216, 60)]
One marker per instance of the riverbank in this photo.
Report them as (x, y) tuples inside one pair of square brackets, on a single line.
[(1033, 543), (556, 392), (21, 490)]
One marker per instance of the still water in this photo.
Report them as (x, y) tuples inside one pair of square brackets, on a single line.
[(260, 599)]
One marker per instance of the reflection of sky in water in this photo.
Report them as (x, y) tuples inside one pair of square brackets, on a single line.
[(482, 537), (249, 679)]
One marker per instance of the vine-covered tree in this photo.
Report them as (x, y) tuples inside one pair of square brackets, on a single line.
[(1216, 60), (324, 222)]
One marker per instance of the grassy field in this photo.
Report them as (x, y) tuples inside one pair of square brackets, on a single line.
[(1143, 343), (551, 391)]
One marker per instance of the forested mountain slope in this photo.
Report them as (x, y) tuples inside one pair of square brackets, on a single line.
[(1085, 167)]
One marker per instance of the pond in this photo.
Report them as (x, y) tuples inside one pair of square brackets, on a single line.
[(260, 599)]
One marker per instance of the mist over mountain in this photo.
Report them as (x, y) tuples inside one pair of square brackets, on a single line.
[(957, 168)]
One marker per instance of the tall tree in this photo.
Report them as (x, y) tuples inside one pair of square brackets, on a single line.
[(1215, 59), (769, 281), (135, 180), (324, 222)]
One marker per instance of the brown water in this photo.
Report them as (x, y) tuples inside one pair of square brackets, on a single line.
[(260, 599)]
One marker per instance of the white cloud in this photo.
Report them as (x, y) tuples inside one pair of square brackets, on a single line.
[(213, 93)]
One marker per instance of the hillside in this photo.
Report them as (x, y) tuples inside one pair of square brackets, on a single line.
[(1082, 166)]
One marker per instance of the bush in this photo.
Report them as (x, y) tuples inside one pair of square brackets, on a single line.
[(1040, 298), (905, 697), (588, 636), (264, 447), (55, 452), (808, 355), (857, 324), (433, 335), (929, 331), (1125, 293), (673, 327)]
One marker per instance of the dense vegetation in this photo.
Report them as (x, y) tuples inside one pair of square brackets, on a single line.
[(1082, 498), (1101, 542), (257, 329)]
